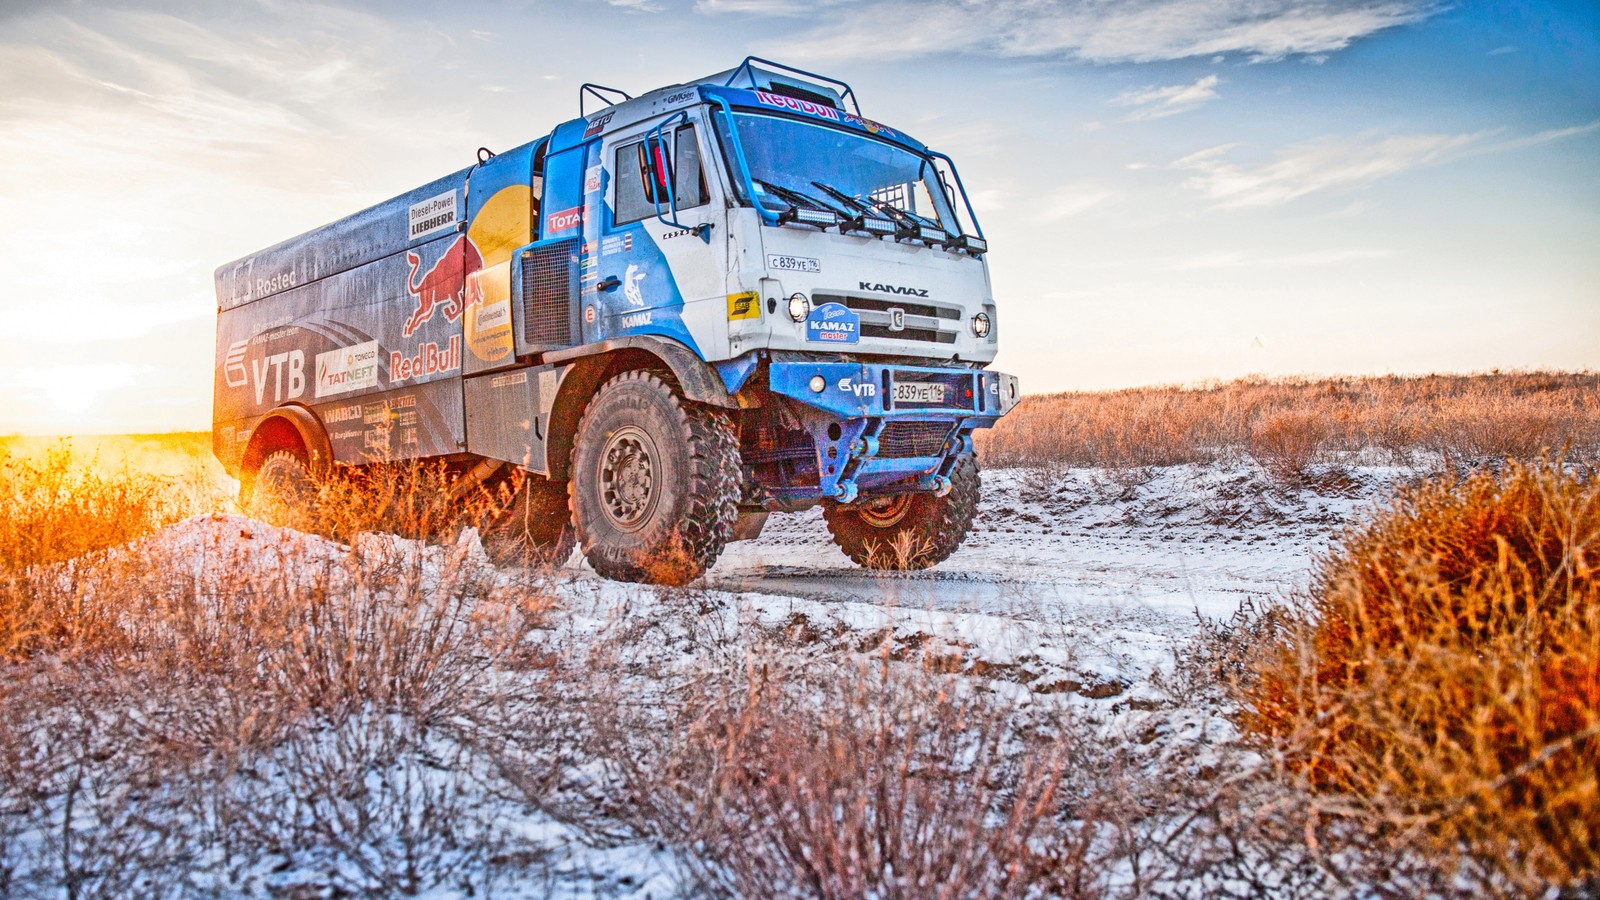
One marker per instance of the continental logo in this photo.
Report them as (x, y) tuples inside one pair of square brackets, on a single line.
[(893, 289)]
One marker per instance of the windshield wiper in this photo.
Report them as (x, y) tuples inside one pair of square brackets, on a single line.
[(803, 208), (865, 217), (906, 224)]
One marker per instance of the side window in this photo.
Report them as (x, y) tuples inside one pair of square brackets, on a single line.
[(637, 192)]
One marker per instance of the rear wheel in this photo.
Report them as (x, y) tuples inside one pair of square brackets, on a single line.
[(655, 481), (280, 488), (907, 531)]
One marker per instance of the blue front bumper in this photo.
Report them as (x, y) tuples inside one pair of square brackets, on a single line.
[(878, 426)]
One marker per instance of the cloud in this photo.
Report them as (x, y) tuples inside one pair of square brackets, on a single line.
[(1072, 200), (1297, 260), (755, 7), (636, 5), (1160, 102), (1090, 30), (1316, 166)]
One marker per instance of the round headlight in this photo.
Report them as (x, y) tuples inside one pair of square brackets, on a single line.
[(818, 384), (799, 306), (980, 324)]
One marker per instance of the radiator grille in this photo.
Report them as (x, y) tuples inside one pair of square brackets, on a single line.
[(549, 283), (904, 440)]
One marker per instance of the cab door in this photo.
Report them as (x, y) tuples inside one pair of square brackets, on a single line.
[(659, 263)]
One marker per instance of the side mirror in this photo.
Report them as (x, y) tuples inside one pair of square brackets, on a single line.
[(655, 171)]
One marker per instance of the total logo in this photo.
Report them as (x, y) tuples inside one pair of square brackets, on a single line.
[(430, 360), (858, 388), (566, 218)]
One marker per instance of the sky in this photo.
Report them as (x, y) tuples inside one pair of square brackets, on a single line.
[(1174, 191)]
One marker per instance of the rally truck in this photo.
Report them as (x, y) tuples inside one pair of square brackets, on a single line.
[(658, 324)]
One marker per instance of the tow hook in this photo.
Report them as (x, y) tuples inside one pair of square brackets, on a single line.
[(938, 485)]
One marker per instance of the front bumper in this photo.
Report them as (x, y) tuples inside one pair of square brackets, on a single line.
[(887, 428)]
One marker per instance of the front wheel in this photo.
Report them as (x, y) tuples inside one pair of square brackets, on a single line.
[(655, 481), (907, 531)]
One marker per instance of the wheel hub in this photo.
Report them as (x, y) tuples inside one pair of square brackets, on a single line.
[(628, 479), (883, 512)]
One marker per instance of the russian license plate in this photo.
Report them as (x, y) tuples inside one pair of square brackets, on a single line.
[(794, 263), (920, 392)]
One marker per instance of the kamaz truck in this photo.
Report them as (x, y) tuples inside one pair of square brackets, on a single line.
[(667, 319)]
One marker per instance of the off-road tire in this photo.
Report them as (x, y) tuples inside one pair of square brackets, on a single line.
[(534, 529), (907, 531), (655, 481), (279, 489)]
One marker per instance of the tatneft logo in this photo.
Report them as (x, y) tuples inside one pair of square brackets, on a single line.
[(566, 218), (893, 289)]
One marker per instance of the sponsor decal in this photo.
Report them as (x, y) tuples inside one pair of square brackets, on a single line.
[(870, 126), (340, 414), (565, 219), (432, 215), (798, 105), (630, 285), (785, 263), (279, 282), (589, 247), (591, 180), (347, 369), (286, 371), (637, 320), (682, 96), (897, 319), (442, 286), (893, 289), (669, 235), (505, 381), (616, 244), (588, 315), (429, 360), (833, 323), (233, 370), (598, 123), (744, 306), (858, 388)]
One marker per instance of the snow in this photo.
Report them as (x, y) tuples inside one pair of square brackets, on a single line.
[(1076, 586)]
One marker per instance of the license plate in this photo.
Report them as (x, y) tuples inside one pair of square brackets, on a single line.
[(920, 392), (794, 263)]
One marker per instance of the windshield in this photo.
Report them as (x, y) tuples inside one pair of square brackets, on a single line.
[(797, 164)]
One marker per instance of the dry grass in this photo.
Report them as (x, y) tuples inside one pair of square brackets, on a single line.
[(175, 715), (1288, 424), (1442, 687)]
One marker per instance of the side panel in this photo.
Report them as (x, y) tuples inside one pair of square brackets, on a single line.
[(385, 335), (508, 415)]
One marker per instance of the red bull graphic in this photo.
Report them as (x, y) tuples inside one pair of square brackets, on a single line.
[(443, 286), (430, 359)]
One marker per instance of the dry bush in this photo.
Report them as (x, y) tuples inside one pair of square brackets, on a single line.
[(862, 782), (58, 508), (248, 695), (1442, 689), (1292, 422)]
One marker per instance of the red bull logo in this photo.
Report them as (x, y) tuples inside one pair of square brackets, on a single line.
[(431, 359), (443, 286)]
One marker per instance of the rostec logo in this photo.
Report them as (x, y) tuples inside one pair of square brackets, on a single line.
[(897, 319), (442, 285), (566, 218), (893, 289), (233, 370)]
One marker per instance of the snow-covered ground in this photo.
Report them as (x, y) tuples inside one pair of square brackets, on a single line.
[(1077, 586)]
